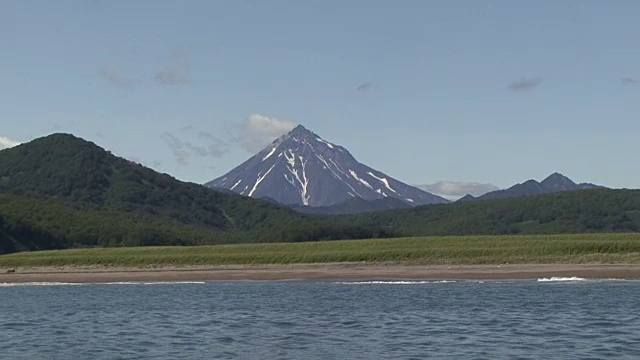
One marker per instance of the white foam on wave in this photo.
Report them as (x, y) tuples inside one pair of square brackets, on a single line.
[(44, 283), (558, 278), (382, 282), (152, 283)]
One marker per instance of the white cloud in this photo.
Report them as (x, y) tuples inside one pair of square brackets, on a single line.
[(6, 143), (455, 190), (258, 131)]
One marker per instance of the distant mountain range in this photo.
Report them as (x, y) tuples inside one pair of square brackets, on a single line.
[(302, 169), (61, 191), (312, 175), (555, 182)]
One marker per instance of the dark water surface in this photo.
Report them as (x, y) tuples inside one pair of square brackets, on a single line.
[(322, 320)]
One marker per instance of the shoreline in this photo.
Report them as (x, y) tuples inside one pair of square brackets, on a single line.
[(331, 271)]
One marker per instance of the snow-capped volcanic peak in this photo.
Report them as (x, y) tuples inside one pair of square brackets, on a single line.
[(302, 168)]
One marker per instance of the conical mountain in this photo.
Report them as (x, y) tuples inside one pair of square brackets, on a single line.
[(301, 168)]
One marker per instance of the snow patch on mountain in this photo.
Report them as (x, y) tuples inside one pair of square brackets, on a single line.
[(259, 180), (355, 176), (270, 153), (383, 181), (236, 184), (330, 145)]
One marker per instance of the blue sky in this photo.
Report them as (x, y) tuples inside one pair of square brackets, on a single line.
[(486, 91)]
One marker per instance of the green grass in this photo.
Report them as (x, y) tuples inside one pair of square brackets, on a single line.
[(570, 248)]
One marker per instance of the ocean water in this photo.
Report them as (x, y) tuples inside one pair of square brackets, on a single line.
[(551, 318)]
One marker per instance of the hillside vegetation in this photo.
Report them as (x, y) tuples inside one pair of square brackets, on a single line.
[(596, 210)]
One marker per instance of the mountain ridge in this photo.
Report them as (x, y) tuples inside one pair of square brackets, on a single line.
[(556, 182)]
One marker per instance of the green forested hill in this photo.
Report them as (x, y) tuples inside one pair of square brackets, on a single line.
[(597, 210), (77, 194), (64, 167)]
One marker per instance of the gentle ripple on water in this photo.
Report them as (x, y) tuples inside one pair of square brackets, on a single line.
[(322, 320)]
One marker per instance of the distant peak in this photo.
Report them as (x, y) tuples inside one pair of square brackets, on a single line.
[(300, 130), (61, 135), (60, 138), (556, 176), (557, 181)]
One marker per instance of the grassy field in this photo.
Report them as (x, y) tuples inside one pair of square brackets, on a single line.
[(573, 248)]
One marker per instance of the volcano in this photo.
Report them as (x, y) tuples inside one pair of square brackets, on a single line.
[(301, 168)]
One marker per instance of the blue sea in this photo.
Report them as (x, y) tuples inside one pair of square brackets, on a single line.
[(525, 319)]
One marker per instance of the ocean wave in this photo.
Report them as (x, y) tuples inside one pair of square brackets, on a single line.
[(391, 282), (558, 278), (155, 283)]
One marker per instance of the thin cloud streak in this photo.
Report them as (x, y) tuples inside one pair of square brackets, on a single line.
[(177, 148), (175, 74), (183, 151), (525, 84), (630, 81), (364, 87), (116, 80)]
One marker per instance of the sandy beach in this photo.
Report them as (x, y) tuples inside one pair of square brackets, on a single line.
[(338, 271)]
